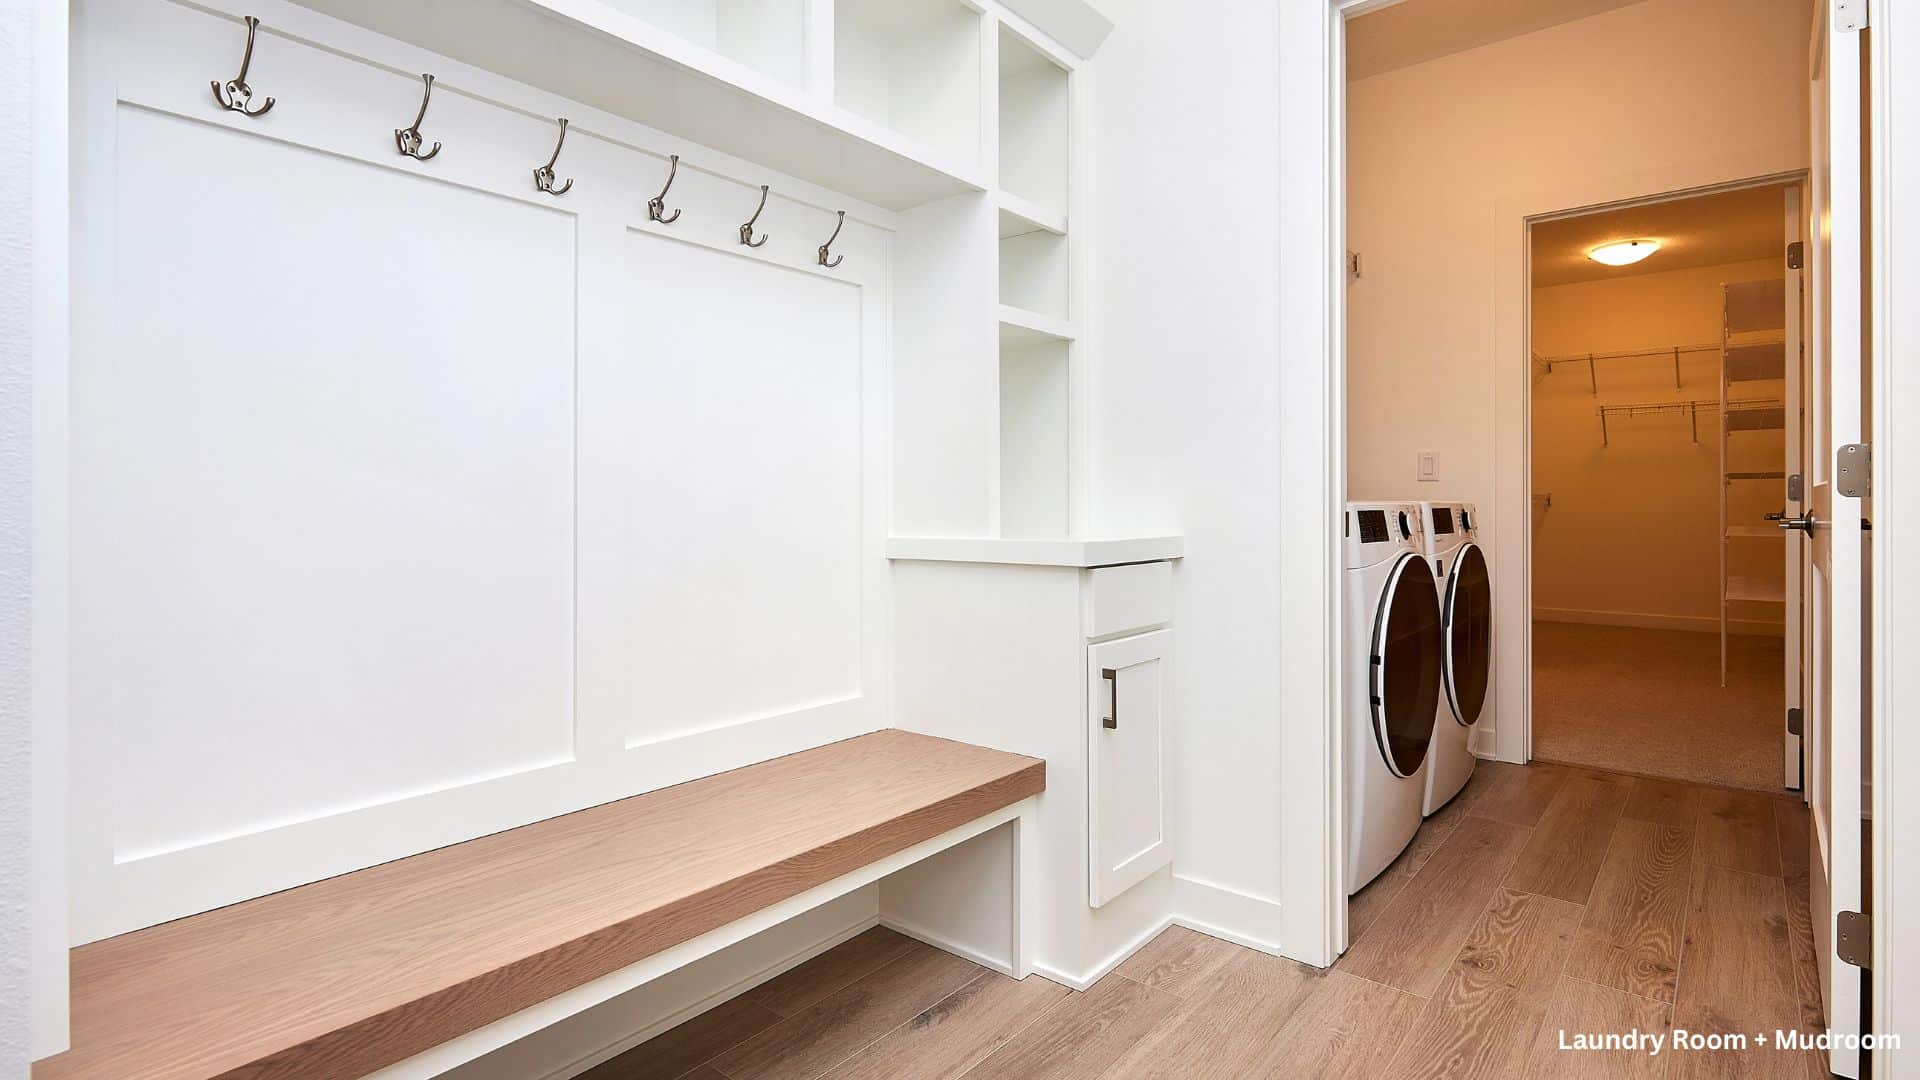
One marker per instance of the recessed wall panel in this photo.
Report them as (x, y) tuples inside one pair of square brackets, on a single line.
[(721, 459), (322, 490)]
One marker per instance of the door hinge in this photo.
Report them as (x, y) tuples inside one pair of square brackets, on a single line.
[(1353, 266), (1796, 722), (1853, 937), (1849, 15), (1796, 254), (1853, 470)]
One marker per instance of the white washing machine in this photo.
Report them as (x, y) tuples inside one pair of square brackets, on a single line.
[(1393, 656), (1449, 531)]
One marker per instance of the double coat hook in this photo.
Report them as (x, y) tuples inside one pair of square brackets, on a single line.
[(746, 229), (409, 139), (837, 259), (235, 94), (543, 176), (657, 206)]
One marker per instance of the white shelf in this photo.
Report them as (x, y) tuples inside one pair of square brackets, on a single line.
[(1020, 328), (912, 66), (595, 52), (1763, 362), (1061, 552), (1033, 122), (1755, 591), (1020, 216)]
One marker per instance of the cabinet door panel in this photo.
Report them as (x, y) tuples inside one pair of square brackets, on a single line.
[(1127, 834)]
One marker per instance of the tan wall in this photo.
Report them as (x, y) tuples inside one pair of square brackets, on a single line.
[(1632, 536), (1659, 96)]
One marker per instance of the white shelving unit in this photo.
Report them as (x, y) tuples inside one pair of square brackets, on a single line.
[(1035, 306), (912, 66), (1752, 351)]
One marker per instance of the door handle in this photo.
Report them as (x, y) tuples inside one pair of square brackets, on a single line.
[(1111, 721), (1805, 522)]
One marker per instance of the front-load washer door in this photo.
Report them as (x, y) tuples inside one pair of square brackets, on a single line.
[(1406, 659), (1468, 619)]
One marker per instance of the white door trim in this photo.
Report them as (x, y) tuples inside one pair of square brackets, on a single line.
[(1894, 240), (1513, 458)]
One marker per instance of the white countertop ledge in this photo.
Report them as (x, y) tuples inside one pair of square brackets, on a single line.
[(1039, 552)]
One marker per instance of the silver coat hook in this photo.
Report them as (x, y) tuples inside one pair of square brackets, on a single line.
[(746, 230), (837, 259), (235, 94), (543, 176), (657, 206), (409, 139)]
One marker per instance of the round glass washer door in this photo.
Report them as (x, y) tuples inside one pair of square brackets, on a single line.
[(1468, 621), (1406, 661)]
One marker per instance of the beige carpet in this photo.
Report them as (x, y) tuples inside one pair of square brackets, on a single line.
[(1650, 702)]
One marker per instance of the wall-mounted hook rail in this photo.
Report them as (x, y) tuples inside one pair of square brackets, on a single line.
[(836, 259), (409, 139), (543, 176), (657, 206), (235, 94), (746, 229)]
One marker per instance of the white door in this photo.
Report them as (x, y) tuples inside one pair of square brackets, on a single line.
[(1127, 836), (1793, 499), (1834, 419)]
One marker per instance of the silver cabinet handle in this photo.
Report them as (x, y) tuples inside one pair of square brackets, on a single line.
[(1805, 522), (1111, 721)]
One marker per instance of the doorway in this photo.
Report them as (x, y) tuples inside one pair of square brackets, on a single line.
[(1664, 349)]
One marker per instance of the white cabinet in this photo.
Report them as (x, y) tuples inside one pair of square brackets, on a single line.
[(1127, 826)]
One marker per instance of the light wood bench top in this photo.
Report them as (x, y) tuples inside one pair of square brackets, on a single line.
[(354, 973)]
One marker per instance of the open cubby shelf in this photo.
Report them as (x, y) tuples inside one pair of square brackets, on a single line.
[(1035, 460), (1020, 328), (768, 36), (1033, 273), (912, 66), (1033, 126), (1019, 216)]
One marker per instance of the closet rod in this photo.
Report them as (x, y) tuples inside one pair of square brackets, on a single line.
[(1593, 379), (1624, 353), (1692, 408)]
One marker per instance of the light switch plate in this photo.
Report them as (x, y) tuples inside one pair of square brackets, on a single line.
[(1429, 465)]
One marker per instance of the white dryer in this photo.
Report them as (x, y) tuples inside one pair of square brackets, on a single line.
[(1449, 532), (1393, 655)]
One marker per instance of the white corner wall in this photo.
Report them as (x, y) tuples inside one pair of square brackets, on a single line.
[(33, 340), (16, 496), (1652, 477), (1185, 399), (1446, 159)]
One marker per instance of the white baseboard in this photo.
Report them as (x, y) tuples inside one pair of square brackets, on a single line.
[(1704, 624), (1085, 980), (1227, 914), (598, 1035), (945, 944), (1484, 743)]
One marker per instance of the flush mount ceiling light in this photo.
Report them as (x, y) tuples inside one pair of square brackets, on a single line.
[(1623, 252)]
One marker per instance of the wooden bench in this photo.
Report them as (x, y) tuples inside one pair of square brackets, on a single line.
[(350, 975)]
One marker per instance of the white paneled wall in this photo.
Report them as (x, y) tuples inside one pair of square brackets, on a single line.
[(410, 503)]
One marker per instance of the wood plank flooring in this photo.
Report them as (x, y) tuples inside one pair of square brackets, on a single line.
[(1546, 899)]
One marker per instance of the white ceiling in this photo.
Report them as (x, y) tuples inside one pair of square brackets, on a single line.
[(1708, 230), (1416, 31)]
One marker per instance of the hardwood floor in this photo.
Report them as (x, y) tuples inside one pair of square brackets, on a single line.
[(1546, 899)]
